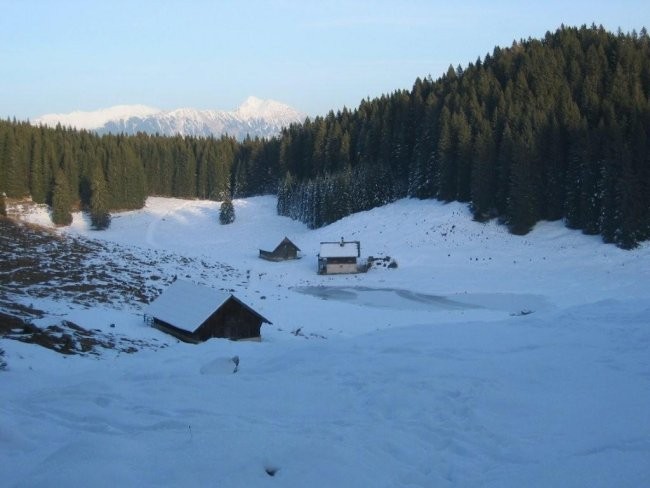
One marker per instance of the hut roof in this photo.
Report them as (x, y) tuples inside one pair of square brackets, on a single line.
[(286, 240), (186, 305), (274, 244), (351, 249)]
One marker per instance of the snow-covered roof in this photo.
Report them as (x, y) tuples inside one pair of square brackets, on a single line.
[(186, 305), (340, 249)]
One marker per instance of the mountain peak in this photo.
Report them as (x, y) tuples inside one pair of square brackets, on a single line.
[(95, 119), (254, 117), (256, 108)]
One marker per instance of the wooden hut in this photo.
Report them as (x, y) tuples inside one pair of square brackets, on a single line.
[(339, 257), (194, 313), (284, 251)]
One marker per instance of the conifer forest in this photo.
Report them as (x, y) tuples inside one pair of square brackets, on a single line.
[(546, 129)]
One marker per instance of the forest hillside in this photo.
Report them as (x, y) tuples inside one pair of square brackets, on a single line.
[(546, 129)]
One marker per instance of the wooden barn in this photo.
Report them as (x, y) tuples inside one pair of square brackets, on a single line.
[(284, 251), (339, 257), (194, 313)]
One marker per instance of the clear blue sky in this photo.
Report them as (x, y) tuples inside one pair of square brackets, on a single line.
[(60, 56)]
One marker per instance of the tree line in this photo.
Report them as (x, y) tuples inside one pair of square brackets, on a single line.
[(70, 169), (546, 129)]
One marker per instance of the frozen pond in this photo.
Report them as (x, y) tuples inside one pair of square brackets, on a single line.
[(396, 298)]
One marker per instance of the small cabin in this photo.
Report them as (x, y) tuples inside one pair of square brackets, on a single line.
[(284, 251), (194, 313), (339, 257)]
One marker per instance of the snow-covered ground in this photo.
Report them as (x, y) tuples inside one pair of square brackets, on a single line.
[(484, 359)]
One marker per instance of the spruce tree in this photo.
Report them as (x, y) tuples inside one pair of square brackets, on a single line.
[(523, 202), (462, 136), (100, 218), (483, 177), (61, 200), (226, 212), (446, 165), (11, 168), (38, 177)]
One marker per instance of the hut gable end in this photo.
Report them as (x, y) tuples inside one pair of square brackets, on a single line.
[(284, 251)]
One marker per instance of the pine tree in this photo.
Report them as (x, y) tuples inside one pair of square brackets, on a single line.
[(462, 156), (61, 200), (100, 218), (11, 170), (39, 174), (446, 165), (184, 182), (504, 163), (226, 212), (483, 177), (3, 204), (523, 202)]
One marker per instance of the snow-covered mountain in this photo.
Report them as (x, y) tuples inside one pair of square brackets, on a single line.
[(97, 118), (255, 117)]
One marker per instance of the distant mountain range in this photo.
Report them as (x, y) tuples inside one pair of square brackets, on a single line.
[(254, 117)]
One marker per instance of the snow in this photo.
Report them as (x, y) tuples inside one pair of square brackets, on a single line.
[(339, 249), (484, 359), (256, 108), (95, 119)]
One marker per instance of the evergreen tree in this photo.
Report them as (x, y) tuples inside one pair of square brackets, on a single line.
[(11, 169), (523, 200), (226, 212), (100, 218), (61, 200), (39, 172), (184, 180), (483, 178), (447, 180), (462, 156)]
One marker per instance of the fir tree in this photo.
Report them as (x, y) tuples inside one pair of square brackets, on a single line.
[(226, 212), (100, 218), (483, 178), (39, 175), (61, 200)]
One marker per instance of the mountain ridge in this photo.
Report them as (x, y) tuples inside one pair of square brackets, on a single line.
[(255, 117)]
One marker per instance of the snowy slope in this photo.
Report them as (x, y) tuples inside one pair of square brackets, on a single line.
[(484, 359), (256, 117)]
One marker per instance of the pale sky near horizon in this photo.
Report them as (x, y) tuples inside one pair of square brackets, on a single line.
[(62, 56)]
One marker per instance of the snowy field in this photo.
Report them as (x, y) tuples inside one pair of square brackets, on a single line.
[(485, 359)]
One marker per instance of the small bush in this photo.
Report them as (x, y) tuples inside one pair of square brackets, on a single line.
[(3, 363)]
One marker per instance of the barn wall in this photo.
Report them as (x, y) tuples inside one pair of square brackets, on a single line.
[(337, 265), (283, 252), (269, 256), (341, 268), (181, 334), (286, 251), (232, 321)]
